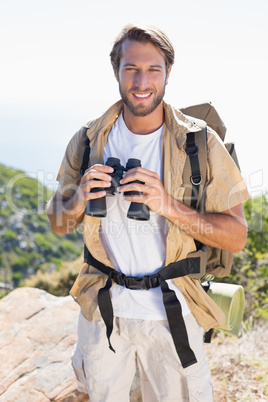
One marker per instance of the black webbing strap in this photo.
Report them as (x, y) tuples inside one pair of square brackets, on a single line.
[(209, 333), (84, 165), (196, 177), (177, 325), (106, 309), (231, 149), (171, 303)]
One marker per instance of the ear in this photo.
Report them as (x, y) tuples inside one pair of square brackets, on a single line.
[(115, 71), (168, 72)]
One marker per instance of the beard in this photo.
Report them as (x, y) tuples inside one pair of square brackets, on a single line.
[(141, 110)]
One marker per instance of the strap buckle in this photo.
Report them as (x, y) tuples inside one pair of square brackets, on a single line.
[(136, 283), (196, 179), (192, 150)]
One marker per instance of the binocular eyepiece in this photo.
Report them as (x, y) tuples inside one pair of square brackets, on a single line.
[(97, 207)]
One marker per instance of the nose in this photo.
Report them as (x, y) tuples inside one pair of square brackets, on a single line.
[(142, 80)]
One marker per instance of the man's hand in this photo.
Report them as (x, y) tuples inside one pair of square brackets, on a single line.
[(153, 194), (96, 176), (65, 214)]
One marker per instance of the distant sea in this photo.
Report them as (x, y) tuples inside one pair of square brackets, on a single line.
[(34, 137)]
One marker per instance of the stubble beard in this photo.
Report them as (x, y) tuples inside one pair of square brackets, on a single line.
[(141, 110)]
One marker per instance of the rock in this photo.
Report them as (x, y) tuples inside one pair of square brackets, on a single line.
[(38, 331)]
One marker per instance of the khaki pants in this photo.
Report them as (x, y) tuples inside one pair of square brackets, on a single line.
[(107, 376)]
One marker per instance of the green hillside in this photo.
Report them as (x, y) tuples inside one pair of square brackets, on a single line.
[(250, 268), (26, 242)]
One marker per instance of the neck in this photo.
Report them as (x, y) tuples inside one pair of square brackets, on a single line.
[(144, 124)]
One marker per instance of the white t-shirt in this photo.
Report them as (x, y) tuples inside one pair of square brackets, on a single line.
[(135, 248)]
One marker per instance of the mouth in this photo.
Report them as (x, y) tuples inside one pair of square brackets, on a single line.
[(142, 96)]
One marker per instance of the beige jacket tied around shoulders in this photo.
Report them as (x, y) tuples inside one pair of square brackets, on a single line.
[(225, 189)]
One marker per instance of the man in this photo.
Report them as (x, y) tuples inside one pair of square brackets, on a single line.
[(164, 340)]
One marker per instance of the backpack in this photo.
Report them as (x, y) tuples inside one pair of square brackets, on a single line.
[(218, 262)]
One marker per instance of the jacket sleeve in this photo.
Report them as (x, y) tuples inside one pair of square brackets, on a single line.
[(69, 173)]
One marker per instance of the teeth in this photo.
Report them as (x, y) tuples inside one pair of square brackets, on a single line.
[(142, 95)]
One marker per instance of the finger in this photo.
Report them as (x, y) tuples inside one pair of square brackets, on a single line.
[(98, 194), (141, 170), (94, 184), (133, 187), (98, 169), (93, 196), (101, 168), (93, 174), (151, 178), (85, 194), (140, 198)]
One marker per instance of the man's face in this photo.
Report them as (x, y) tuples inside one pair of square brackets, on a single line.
[(142, 77)]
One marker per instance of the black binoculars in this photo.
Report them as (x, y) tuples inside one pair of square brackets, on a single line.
[(97, 207)]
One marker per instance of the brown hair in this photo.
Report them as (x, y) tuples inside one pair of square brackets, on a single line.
[(143, 33)]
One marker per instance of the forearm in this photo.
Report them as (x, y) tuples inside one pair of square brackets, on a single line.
[(65, 215), (223, 230)]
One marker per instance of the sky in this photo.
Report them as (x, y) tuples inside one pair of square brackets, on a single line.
[(55, 73)]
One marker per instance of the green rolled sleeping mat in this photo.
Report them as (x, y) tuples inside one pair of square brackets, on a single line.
[(231, 300)]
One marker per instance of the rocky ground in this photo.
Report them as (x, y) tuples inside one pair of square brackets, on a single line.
[(38, 331), (240, 366)]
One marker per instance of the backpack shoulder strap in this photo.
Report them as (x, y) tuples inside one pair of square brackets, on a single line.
[(86, 155), (231, 149), (195, 168)]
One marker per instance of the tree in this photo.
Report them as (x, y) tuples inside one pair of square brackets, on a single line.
[(250, 268)]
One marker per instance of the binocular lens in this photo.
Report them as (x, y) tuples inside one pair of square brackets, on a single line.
[(138, 212), (96, 207)]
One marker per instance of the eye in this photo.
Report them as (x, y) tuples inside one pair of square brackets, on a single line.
[(130, 69)]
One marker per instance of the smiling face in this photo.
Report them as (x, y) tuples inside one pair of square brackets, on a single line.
[(142, 77)]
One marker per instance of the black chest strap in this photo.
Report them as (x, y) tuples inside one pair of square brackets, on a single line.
[(171, 303)]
